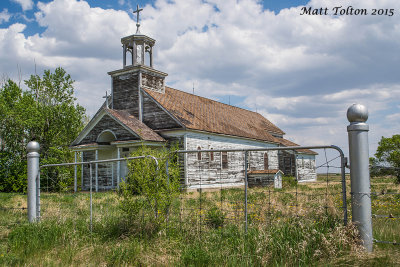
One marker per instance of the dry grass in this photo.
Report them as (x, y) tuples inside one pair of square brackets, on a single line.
[(296, 225)]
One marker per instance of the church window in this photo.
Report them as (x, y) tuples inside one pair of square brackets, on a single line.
[(212, 155), (266, 165), (224, 160), (199, 153)]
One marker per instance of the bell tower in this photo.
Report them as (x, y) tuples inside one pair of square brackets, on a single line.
[(137, 48), (137, 73), (138, 45)]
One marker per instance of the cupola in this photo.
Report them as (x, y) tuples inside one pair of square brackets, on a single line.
[(137, 48)]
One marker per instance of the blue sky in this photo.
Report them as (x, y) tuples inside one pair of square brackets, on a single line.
[(15, 7), (300, 72)]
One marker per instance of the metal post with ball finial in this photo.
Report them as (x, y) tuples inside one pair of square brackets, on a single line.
[(359, 172), (32, 173)]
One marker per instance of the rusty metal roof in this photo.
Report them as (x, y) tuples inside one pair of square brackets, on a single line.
[(286, 142), (141, 129), (200, 113)]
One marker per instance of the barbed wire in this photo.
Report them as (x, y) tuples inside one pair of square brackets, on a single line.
[(386, 242)]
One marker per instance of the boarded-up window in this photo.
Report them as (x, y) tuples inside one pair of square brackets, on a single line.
[(224, 156), (199, 153), (211, 155), (266, 165)]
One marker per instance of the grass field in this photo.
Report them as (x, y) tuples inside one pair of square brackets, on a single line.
[(299, 225)]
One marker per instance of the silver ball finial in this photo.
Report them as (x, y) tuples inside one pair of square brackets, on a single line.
[(357, 113), (33, 146)]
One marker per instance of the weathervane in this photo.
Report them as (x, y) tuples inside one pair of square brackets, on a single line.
[(137, 18)]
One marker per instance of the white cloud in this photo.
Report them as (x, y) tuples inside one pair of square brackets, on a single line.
[(4, 15), (394, 117), (301, 72), (25, 4)]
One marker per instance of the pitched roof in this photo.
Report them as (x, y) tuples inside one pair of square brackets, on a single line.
[(286, 142), (199, 113), (141, 129)]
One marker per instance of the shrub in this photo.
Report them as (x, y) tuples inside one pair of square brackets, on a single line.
[(149, 187), (215, 217), (289, 181)]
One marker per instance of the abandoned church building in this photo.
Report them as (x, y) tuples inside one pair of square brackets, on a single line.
[(143, 110)]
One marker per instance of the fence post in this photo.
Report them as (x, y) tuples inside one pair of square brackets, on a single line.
[(359, 172), (75, 173), (33, 171), (246, 184)]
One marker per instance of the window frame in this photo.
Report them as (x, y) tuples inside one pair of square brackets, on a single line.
[(266, 161), (224, 160), (199, 153)]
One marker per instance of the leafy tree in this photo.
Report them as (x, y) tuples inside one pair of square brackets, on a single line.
[(388, 154), (151, 188), (46, 112)]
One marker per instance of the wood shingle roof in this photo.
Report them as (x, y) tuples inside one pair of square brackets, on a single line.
[(203, 114), (141, 129), (286, 142)]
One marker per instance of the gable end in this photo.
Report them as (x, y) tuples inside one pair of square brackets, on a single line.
[(106, 122)]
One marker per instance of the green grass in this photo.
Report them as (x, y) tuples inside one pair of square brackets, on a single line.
[(284, 229)]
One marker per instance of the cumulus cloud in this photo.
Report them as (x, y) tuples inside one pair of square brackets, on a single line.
[(302, 72), (25, 4), (4, 15)]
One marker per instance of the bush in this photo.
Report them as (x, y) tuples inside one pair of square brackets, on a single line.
[(289, 181), (215, 217), (151, 188)]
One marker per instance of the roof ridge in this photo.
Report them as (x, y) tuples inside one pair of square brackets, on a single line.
[(213, 100)]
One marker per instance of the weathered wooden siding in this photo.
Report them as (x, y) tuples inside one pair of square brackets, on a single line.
[(153, 82), (87, 156), (306, 168), (287, 163), (155, 117), (125, 93), (108, 123), (171, 141), (106, 172), (260, 180), (209, 173)]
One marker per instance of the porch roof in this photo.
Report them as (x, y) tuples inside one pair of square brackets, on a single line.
[(138, 127)]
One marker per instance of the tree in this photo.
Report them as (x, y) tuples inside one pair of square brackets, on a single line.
[(149, 187), (45, 112), (388, 154)]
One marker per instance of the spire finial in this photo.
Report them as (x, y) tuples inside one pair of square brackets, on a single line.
[(137, 18)]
